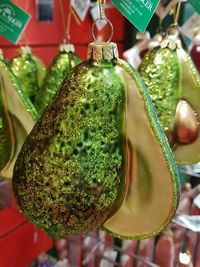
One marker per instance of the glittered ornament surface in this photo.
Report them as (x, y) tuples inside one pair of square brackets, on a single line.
[(30, 71), (58, 69), (174, 86), (18, 119), (89, 158), (41, 69)]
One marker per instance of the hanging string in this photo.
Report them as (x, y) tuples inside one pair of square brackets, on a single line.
[(177, 13), (102, 16), (23, 37), (102, 7), (63, 18), (68, 26)]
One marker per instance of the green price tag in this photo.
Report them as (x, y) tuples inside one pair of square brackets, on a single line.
[(138, 12), (196, 5), (13, 20)]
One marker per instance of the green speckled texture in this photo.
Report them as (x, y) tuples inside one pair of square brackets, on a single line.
[(25, 68), (26, 101), (69, 174), (161, 73), (57, 71), (41, 69)]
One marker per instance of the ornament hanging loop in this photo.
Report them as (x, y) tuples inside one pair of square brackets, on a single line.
[(93, 29), (102, 17), (102, 9)]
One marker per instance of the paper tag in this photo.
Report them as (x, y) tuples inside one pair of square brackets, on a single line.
[(195, 4), (13, 20), (138, 12), (189, 28), (81, 8), (196, 201)]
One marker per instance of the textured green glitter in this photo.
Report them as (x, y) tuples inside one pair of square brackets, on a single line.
[(25, 100), (57, 71), (69, 175), (161, 73), (25, 69), (41, 69)]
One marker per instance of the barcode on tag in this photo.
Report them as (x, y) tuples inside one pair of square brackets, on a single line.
[(81, 8)]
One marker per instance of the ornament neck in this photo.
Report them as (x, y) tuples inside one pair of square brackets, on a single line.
[(67, 48), (25, 50), (102, 51)]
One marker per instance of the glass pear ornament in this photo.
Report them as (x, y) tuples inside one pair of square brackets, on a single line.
[(18, 117), (60, 67), (97, 157), (174, 86), (30, 70)]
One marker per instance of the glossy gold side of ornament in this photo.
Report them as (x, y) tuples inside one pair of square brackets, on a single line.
[(69, 176), (186, 125), (57, 71), (21, 112), (153, 187), (6, 130)]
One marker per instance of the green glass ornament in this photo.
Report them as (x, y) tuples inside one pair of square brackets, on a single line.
[(97, 154), (6, 127), (30, 71), (57, 70), (41, 69), (18, 117), (174, 86)]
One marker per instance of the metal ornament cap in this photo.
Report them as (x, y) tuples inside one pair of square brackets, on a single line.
[(67, 48), (102, 51), (172, 40), (26, 49)]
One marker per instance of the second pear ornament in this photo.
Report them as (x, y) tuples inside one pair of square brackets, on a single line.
[(57, 71), (174, 86)]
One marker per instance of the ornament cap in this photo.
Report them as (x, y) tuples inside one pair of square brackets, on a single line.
[(102, 51), (172, 39), (25, 50), (1, 54), (67, 48)]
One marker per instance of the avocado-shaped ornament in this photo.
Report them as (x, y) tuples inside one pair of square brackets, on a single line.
[(17, 115), (57, 71), (6, 128), (174, 86), (96, 154), (30, 71)]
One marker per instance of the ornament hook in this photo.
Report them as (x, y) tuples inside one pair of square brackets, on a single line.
[(94, 24), (102, 17)]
